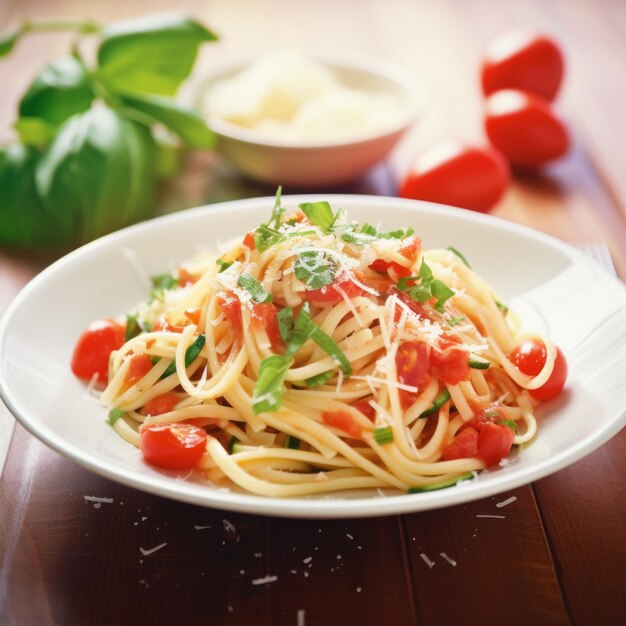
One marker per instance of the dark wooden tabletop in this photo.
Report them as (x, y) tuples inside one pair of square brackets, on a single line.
[(553, 552)]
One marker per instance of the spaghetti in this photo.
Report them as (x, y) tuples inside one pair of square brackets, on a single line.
[(318, 355)]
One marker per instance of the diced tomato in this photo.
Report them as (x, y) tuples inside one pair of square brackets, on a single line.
[(381, 284), (412, 369), (186, 278), (494, 443), (92, 350), (487, 415), (140, 365), (264, 316), (343, 421), (329, 294), (449, 366), (150, 343), (248, 241), (463, 446), (193, 314), (382, 266), (295, 216), (163, 325), (160, 404), (174, 446), (530, 357), (201, 422), (410, 248), (416, 307), (365, 407), (230, 305)]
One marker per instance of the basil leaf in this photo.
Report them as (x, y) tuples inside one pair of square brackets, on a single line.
[(114, 415), (292, 442), (164, 281), (223, 265), (277, 211), (231, 443), (186, 123), (442, 292), (59, 91), (438, 402), (314, 269), (319, 380), (150, 54), (285, 323), (99, 173), (503, 307), (455, 251), (133, 328), (320, 214), (442, 485), (455, 320), (397, 234), (24, 220), (266, 237), (254, 288), (427, 288), (190, 356), (269, 387), (7, 42), (426, 274), (509, 424), (34, 131)]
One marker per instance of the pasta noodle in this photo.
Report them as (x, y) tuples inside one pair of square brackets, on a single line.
[(321, 355)]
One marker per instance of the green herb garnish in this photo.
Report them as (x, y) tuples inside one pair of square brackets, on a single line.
[(509, 424), (455, 251), (254, 288), (320, 214), (442, 485), (114, 415), (319, 380), (438, 402), (292, 442), (503, 307), (231, 443), (223, 265), (383, 435), (190, 356), (427, 287), (133, 328), (456, 320), (314, 269), (269, 387), (479, 365)]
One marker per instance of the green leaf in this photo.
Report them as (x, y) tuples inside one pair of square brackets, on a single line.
[(99, 173), (509, 424), (59, 91), (231, 442), (314, 269), (293, 443), (383, 435), (266, 237), (8, 41), (114, 415), (277, 211), (24, 220), (442, 292), (185, 122), (442, 485), (319, 380), (133, 328), (254, 288), (456, 320), (455, 251), (503, 307), (150, 54), (320, 214), (164, 281), (34, 131), (427, 288), (479, 365), (223, 265), (438, 402), (169, 156), (190, 356), (269, 387), (285, 323)]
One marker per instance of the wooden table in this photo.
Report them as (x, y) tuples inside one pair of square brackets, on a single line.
[(554, 555)]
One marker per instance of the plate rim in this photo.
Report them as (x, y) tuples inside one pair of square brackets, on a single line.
[(319, 508)]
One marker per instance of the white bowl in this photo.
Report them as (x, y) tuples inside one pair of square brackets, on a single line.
[(318, 164)]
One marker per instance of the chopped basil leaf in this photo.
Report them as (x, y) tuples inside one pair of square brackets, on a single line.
[(231, 443), (442, 292), (293, 443), (314, 269), (285, 323), (441, 485), (114, 415), (320, 214), (427, 288), (455, 320), (438, 402), (223, 265), (365, 233), (503, 307), (269, 387), (190, 356), (266, 237), (509, 424), (155, 359), (383, 435), (455, 251), (254, 288), (397, 234), (277, 211), (403, 283), (133, 328), (479, 365), (164, 281), (319, 380)]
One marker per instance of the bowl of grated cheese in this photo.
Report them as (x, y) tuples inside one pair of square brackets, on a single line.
[(309, 121)]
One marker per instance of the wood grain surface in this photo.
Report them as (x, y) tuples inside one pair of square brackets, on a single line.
[(556, 554)]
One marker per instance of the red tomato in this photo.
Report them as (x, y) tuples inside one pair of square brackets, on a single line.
[(410, 248), (193, 314), (163, 324), (494, 443), (412, 369), (379, 283), (248, 241), (329, 295), (365, 407), (463, 446), (92, 350), (416, 307), (523, 60), (264, 316), (175, 446), (160, 404), (530, 357), (140, 365), (185, 278), (382, 266), (465, 176), (230, 305), (524, 128), (449, 366), (343, 421)]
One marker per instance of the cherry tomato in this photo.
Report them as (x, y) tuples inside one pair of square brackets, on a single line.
[(193, 314), (264, 316), (186, 278), (530, 357), (449, 366), (343, 421), (92, 350), (412, 369), (140, 365), (329, 295), (416, 307), (174, 446), (163, 325), (523, 60), (494, 443), (459, 175), (382, 266), (463, 446), (365, 407), (160, 404), (230, 306), (248, 241), (524, 128)]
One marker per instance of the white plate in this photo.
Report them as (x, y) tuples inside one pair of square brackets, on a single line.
[(580, 306)]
